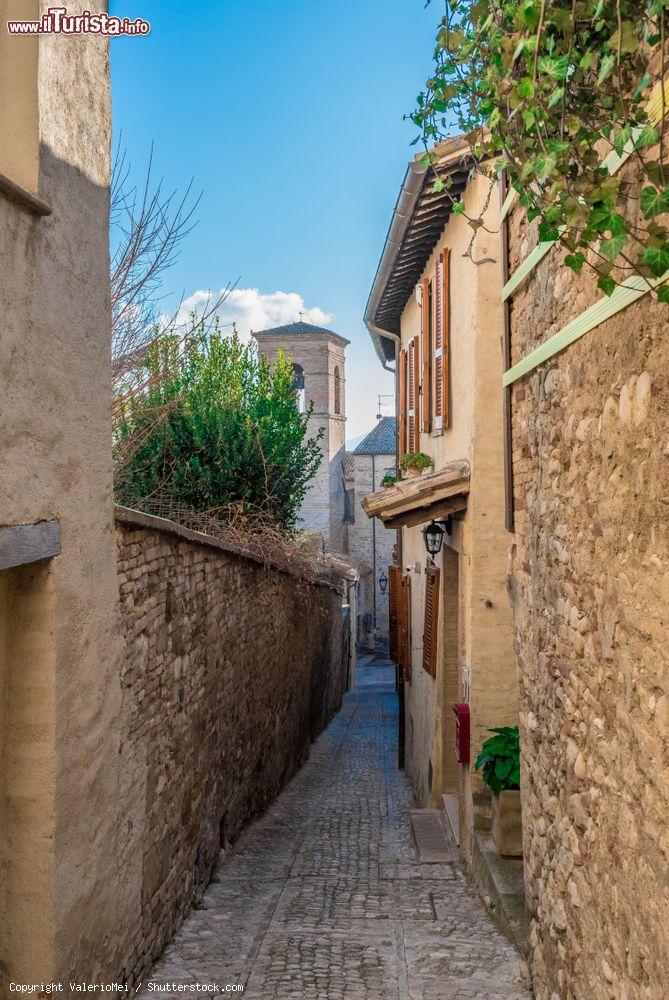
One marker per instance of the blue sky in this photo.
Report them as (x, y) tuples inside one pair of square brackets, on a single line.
[(288, 114)]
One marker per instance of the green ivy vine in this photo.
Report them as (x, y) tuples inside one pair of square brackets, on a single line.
[(544, 91)]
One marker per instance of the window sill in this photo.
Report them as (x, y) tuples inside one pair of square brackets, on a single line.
[(22, 197)]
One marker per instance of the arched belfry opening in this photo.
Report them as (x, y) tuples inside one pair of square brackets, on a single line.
[(298, 386), (337, 391)]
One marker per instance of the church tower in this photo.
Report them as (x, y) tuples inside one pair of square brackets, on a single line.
[(318, 358)]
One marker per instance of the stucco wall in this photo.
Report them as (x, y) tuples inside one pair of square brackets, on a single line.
[(474, 558), (60, 680), (231, 669), (590, 590)]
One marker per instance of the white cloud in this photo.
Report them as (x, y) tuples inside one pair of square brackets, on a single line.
[(251, 310)]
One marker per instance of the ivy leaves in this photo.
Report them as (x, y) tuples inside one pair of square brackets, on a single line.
[(547, 92)]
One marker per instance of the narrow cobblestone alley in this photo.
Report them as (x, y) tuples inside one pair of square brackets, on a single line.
[(324, 897)]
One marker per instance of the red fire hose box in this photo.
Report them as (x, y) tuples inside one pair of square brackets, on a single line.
[(462, 733)]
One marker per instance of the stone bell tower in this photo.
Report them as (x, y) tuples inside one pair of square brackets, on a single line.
[(318, 357)]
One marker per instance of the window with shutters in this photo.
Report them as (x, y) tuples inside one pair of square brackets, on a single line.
[(430, 633), (427, 350), (394, 596), (440, 341), (413, 395), (402, 389)]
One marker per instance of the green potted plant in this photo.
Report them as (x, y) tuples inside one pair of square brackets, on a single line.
[(499, 762), (414, 463), (388, 481)]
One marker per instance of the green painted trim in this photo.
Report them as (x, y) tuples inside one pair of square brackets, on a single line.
[(625, 294), (512, 194), (526, 268)]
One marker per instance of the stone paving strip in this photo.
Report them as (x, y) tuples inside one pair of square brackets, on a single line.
[(325, 898)]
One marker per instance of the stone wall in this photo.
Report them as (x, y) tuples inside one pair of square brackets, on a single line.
[(231, 669), (589, 586)]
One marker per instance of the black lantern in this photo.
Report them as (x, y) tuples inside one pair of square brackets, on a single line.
[(433, 536), (383, 583)]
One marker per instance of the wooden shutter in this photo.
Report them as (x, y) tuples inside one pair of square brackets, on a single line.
[(413, 414), (430, 633), (402, 389), (394, 596), (427, 349), (441, 338), (405, 627)]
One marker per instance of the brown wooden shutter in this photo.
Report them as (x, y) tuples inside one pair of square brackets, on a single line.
[(405, 627), (394, 596), (413, 419), (430, 633), (426, 335), (441, 339), (411, 395), (402, 422)]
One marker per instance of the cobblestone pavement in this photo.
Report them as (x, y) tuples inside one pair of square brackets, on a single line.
[(324, 897)]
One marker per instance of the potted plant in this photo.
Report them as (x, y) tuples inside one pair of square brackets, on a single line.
[(499, 762), (388, 481), (414, 463)]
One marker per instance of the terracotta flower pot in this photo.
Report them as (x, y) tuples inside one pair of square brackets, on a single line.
[(412, 473), (507, 824)]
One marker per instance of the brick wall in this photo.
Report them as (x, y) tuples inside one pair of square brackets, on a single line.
[(231, 669), (590, 586)]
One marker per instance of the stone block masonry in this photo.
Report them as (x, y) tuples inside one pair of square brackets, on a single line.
[(231, 669), (590, 591)]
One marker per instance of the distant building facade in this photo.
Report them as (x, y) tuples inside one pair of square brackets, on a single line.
[(366, 540), (318, 357)]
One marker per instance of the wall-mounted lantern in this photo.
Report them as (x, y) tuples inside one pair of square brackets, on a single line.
[(433, 536), (383, 583)]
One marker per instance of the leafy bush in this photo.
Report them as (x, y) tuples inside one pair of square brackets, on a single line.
[(213, 426), (500, 759), (415, 460), (388, 480)]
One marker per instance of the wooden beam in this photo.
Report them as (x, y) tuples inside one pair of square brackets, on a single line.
[(443, 508), (28, 543)]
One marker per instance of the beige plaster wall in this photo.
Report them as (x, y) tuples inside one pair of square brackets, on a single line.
[(19, 126), (56, 463), (590, 590), (484, 623)]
